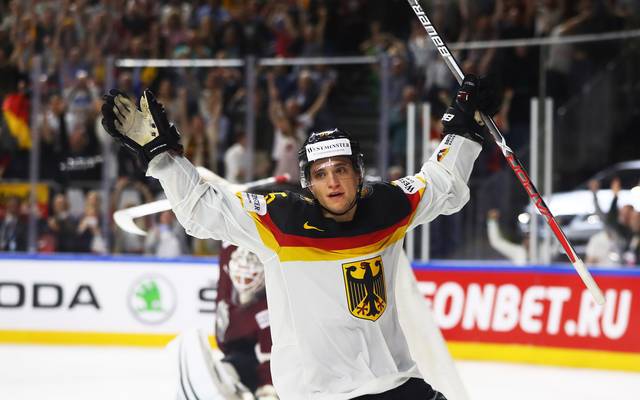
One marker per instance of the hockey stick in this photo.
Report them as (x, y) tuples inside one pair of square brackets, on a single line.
[(512, 160), (124, 218)]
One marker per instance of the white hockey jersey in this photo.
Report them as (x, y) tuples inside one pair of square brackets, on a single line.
[(334, 321)]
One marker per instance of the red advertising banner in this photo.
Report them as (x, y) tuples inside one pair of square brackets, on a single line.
[(538, 306)]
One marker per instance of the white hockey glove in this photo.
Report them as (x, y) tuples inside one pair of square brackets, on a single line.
[(266, 392), (145, 132)]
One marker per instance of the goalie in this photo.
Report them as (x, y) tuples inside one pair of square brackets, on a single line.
[(331, 260), (239, 368)]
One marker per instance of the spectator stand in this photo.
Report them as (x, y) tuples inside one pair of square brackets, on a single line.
[(52, 43), (253, 66)]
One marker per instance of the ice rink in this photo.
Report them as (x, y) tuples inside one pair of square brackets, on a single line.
[(119, 373)]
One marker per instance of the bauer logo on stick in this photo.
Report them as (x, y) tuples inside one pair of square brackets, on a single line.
[(364, 284), (442, 48)]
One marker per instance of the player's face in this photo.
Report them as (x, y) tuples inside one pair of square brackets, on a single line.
[(334, 183)]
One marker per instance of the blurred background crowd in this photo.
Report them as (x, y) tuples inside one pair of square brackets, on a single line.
[(75, 39)]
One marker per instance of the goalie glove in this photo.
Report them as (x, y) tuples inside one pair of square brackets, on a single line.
[(145, 132), (462, 117)]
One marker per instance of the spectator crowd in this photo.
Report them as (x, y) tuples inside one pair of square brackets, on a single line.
[(618, 244), (75, 39)]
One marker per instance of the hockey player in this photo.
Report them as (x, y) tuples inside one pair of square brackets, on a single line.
[(238, 369), (242, 319), (329, 259)]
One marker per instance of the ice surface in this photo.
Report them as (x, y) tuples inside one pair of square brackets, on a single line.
[(121, 373)]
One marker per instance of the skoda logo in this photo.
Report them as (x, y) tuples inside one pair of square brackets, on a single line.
[(152, 299)]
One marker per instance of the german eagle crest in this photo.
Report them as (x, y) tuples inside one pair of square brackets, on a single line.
[(365, 288)]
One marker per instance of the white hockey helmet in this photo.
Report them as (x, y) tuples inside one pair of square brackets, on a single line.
[(246, 272)]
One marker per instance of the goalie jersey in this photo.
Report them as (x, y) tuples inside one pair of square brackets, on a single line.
[(243, 329), (334, 321)]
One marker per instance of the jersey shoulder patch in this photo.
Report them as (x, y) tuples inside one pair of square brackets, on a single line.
[(255, 203), (409, 184), (262, 318)]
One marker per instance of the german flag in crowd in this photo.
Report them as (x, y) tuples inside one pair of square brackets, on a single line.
[(15, 109)]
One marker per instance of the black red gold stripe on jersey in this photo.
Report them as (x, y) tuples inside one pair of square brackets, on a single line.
[(296, 247)]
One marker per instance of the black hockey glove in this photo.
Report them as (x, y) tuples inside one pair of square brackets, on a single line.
[(461, 117), (145, 132)]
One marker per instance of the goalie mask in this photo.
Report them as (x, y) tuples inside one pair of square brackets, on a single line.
[(246, 273), (327, 144)]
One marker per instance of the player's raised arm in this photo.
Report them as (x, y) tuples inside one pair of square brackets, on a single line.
[(442, 180), (205, 210)]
